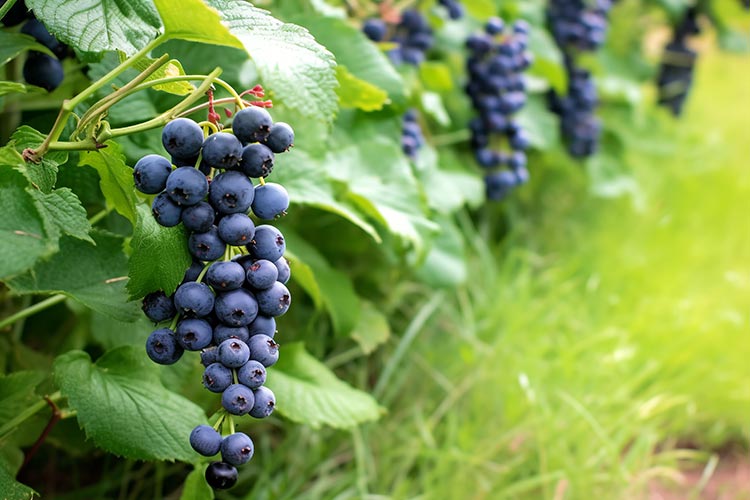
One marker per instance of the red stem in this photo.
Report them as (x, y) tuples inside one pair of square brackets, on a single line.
[(53, 419)]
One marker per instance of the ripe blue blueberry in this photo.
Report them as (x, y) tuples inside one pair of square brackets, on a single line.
[(268, 243), (375, 29), (262, 274), (225, 276), (257, 160), (231, 192), (43, 71), (150, 174), (217, 377), (209, 356), (237, 399), (236, 307), (233, 353), (221, 475), (166, 212), (252, 124), (182, 137), (274, 301), (194, 299), (224, 332), (187, 186), (252, 374), (205, 440), (263, 349), (237, 448), (162, 347), (193, 271), (194, 334), (222, 150), (262, 325), (236, 229), (264, 404), (281, 137), (206, 246), (271, 200), (199, 217), (285, 272), (158, 307)]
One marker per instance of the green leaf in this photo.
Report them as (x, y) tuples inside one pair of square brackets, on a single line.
[(480, 9), (173, 67), (17, 392), (64, 209), (361, 57), (432, 103), (160, 256), (336, 289), (18, 88), (373, 328), (92, 275), (540, 123), (24, 237), (548, 61), (196, 487), (436, 76), (42, 175), (445, 263), (447, 189), (115, 178), (195, 21), (356, 93), (111, 333), (123, 407), (306, 179), (308, 392), (12, 44), (294, 67), (99, 25), (10, 489)]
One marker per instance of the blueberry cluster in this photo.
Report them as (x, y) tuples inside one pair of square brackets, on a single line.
[(40, 69), (228, 301), (411, 134), (497, 90), (578, 26), (676, 69), (412, 34), (454, 8)]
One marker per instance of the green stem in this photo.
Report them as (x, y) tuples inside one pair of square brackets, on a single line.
[(82, 145), (31, 310), (28, 412), (168, 115), (70, 104), (98, 216), (6, 7)]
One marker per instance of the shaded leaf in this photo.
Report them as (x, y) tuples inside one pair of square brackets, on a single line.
[(356, 93), (42, 175), (18, 88), (115, 178), (12, 44), (10, 489), (372, 329), (196, 487), (64, 209)]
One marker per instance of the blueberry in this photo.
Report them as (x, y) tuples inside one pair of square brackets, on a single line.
[(231, 192), (262, 325), (252, 374), (194, 334), (158, 307), (150, 174), (221, 475), (268, 243), (194, 299), (233, 353), (208, 355), (43, 71), (193, 271), (262, 274), (186, 162), (165, 211), (264, 403), (236, 308), (187, 186), (522, 175), (222, 150), (182, 138), (199, 217), (274, 301), (271, 200), (206, 246), (37, 30), (237, 399), (217, 377), (517, 160), (263, 349), (499, 184), (236, 229), (252, 124), (205, 440), (225, 276), (257, 160), (285, 272), (224, 332), (374, 29), (237, 449), (487, 158), (162, 347), (281, 137)]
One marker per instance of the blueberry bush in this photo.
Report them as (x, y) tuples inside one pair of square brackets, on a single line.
[(171, 173)]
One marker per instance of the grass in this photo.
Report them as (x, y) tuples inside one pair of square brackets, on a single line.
[(607, 345)]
